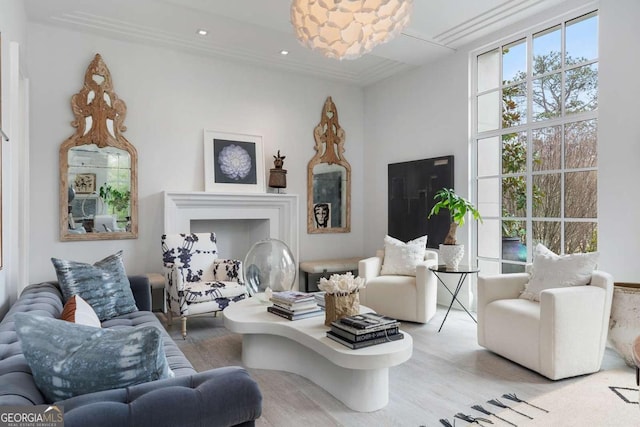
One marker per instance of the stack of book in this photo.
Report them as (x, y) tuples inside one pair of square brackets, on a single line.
[(364, 330), (319, 298), (294, 305)]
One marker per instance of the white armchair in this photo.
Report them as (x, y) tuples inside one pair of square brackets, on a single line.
[(407, 298), (196, 281), (561, 336)]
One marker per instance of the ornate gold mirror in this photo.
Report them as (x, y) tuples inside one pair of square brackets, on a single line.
[(329, 177), (98, 166)]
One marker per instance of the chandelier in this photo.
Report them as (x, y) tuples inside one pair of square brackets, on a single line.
[(347, 29)]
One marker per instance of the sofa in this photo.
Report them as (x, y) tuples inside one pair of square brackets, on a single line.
[(225, 396)]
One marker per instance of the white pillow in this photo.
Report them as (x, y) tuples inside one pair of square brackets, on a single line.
[(77, 310), (401, 258), (558, 271)]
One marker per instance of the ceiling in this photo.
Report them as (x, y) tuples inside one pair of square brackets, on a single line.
[(256, 31)]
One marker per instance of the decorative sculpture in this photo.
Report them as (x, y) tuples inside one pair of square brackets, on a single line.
[(277, 175)]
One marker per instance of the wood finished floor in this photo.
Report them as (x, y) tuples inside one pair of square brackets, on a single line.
[(448, 373)]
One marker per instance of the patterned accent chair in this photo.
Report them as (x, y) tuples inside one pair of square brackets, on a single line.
[(196, 281)]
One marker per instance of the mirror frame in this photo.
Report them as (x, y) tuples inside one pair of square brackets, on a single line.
[(100, 112), (329, 146)]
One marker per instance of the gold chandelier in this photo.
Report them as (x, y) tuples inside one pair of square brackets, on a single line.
[(347, 29)]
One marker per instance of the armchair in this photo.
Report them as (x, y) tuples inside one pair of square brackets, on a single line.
[(196, 281), (410, 298), (563, 335)]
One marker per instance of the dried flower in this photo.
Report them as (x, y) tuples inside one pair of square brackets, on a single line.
[(341, 284)]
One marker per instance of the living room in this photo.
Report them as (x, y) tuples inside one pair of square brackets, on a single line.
[(174, 92)]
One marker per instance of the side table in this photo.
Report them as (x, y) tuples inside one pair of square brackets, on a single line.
[(463, 271)]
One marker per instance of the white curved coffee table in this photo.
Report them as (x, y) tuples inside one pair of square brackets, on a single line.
[(359, 378)]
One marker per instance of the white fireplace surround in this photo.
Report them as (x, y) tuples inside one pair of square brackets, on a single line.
[(280, 211)]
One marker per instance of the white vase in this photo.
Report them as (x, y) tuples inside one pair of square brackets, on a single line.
[(624, 323), (451, 255)]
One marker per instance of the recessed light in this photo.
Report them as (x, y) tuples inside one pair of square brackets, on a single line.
[(284, 52), (202, 32)]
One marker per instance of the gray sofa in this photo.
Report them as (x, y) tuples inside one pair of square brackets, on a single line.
[(224, 396)]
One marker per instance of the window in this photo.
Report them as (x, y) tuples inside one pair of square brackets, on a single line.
[(535, 144)]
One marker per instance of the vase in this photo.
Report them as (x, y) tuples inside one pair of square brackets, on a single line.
[(451, 255), (338, 306), (269, 264), (624, 323)]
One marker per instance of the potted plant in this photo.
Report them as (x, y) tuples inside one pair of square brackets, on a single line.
[(450, 251)]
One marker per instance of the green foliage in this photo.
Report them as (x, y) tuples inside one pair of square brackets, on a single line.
[(458, 206), (118, 199)]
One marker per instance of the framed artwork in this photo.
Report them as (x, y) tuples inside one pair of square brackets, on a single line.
[(233, 163), (85, 183)]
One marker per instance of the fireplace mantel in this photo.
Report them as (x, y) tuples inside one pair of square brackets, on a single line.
[(281, 211)]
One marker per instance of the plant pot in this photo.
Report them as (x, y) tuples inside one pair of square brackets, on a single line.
[(513, 249), (451, 255), (624, 323)]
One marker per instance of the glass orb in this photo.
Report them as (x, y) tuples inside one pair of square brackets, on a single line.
[(269, 264)]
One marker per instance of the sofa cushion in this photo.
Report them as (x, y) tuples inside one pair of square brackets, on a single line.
[(77, 310), (514, 326), (558, 271), (69, 359), (402, 258), (104, 285)]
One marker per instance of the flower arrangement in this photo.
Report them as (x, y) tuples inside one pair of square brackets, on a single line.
[(341, 284), (342, 297)]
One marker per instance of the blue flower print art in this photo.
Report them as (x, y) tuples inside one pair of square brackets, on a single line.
[(235, 162)]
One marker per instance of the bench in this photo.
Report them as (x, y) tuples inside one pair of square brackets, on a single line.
[(312, 271)]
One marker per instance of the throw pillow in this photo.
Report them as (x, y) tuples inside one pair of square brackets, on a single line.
[(402, 258), (68, 359), (104, 285), (227, 270), (77, 310), (558, 271)]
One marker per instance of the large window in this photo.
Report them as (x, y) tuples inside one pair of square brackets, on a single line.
[(535, 143)]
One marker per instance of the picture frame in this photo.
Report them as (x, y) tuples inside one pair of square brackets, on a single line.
[(84, 183), (233, 163)]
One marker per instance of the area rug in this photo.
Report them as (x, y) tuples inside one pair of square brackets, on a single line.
[(604, 399)]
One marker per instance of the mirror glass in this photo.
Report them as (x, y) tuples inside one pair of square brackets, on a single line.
[(100, 184), (98, 175), (329, 196), (329, 177)]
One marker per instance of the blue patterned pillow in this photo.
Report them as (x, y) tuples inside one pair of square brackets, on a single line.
[(104, 285), (68, 359)]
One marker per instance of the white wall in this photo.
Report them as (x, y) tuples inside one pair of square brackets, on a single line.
[(619, 140), (171, 97), (425, 113), (13, 32)]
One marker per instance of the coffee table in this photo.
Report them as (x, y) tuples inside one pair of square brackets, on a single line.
[(358, 378)]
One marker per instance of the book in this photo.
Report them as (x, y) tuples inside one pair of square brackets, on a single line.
[(366, 336), (297, 310), (367, 320), (358, 331), (291, 296), (296, 306), (289, 316), (362, 344)]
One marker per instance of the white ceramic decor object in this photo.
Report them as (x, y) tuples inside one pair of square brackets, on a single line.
[(451, 255)]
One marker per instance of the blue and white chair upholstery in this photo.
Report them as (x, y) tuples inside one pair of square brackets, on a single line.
[(196, 281)]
